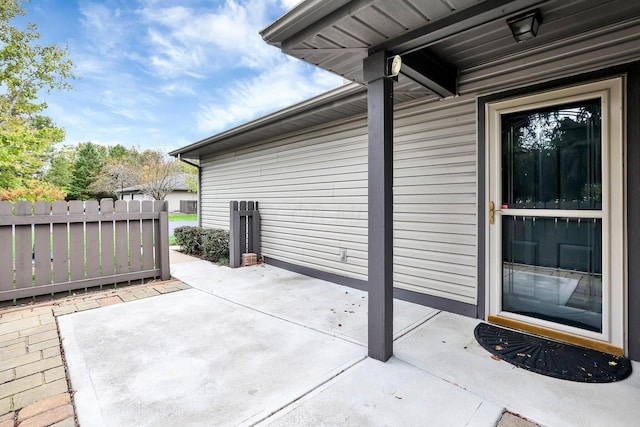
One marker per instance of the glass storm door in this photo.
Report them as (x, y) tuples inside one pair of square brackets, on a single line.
[(556, 218)]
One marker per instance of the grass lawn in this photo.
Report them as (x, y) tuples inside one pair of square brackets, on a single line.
[(182, 217)]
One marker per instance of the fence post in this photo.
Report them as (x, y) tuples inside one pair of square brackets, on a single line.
[(165, 272), (244, 231), (6, 241), (255, 230), (235, 251)]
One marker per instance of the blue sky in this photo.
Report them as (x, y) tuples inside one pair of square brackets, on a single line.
[(166, 73)]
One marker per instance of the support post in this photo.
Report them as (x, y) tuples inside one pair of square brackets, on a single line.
[(165, 270), (235, 251), (380, 207)]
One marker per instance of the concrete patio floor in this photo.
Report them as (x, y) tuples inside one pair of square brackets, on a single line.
[(262, 345)]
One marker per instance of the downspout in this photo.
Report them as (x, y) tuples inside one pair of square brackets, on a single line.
[(199, 185)]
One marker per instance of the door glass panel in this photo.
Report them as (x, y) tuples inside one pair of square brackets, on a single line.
[(552, 266), (551, 158), (552, 269)]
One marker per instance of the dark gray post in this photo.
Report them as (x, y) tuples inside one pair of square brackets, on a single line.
[(255, 231), (163, 207), (235, 252), (250, 219), (380, 271), (243, 228)]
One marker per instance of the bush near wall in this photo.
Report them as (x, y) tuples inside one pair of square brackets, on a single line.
[(208, 243)]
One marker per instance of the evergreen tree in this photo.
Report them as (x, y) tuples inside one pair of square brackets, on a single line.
[(86, 169)]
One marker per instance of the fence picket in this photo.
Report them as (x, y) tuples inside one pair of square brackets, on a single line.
[(60, 245), (147, 237), (92, 241), (42, 246), (76, 240), (6, 241), (107, 254), (122, 249), (24, 268), (134, 237), (92, 245)]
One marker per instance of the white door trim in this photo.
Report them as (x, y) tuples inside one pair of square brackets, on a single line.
[(613, 216)]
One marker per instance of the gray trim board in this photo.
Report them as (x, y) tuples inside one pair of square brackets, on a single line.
[(632, 71), (633, 208), (402, 294), (438, 303), (319, 274)]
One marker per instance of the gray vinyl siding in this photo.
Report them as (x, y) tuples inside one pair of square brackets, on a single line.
[(312, 187), (312, 190), (435, 209)]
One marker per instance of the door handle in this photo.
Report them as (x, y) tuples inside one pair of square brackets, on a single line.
[(492, 212)]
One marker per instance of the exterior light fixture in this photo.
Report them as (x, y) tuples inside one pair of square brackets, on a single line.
[(394, 63), (525, 26)]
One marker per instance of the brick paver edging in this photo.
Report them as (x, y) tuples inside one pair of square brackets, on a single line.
[(34, 386)]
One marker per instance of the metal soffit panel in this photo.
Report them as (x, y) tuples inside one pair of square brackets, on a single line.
[(464, 33)]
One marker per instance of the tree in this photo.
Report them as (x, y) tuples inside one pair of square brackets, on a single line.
[(87, 168), (116, 175), (191, 176), (33, 191), (156, 174), (60, 171), (24, 144), (26, 68)]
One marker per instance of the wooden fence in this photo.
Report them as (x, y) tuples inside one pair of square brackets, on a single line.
[(244, 231), (61, 246)]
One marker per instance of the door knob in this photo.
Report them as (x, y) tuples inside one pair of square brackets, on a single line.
[(492, 212)]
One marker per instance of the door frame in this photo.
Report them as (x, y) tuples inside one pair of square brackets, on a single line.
[(613, 228), (631, 95)]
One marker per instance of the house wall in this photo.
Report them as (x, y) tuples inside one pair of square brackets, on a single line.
[(312, 190), (312, 187), (175, 196)]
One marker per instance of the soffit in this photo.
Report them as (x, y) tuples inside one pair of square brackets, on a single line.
[(464, 33)]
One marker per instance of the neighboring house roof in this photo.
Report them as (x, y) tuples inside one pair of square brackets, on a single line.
[(179, 182)]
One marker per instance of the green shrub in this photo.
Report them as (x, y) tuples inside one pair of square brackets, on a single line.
[(190, 239), (215, 244), (208, 243)]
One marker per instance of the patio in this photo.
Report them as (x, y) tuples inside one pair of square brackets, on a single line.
[(261, 345)]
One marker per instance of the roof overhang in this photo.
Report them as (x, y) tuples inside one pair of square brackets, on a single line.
[(440, 41), (337, 35), (344, 101)]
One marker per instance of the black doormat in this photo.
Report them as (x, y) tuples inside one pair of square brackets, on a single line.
[(552, 358)]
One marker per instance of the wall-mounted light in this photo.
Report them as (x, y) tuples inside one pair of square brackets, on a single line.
[(394, 63), (525, 26)]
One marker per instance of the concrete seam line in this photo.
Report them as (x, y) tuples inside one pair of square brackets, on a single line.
[(307, 393)]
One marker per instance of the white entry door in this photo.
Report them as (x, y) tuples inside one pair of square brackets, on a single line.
[(556, 214)]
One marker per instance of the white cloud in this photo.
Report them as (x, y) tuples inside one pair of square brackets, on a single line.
[(187, 41), (289, 4), (283, 85)]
